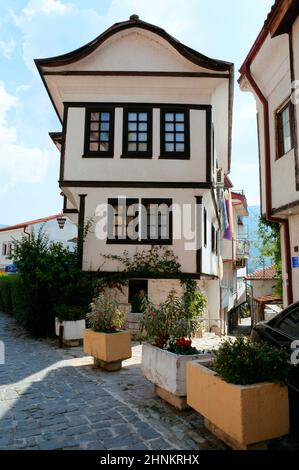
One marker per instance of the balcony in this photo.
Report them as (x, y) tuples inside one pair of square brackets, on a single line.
[(242, 248)]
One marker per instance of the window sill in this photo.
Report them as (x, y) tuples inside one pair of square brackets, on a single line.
[(139, 156), (97, 155), (138, 242), (174, 156)]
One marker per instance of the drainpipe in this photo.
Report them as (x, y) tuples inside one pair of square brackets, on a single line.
[(284, 222), (26, 233)]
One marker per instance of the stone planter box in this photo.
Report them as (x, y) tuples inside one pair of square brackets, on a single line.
[(72, 331), (240, 415), (108, 349), (168, 372)]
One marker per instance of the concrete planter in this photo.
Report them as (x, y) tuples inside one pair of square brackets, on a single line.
[(168, 372), (108, 349), (241, 415), (72, 331)]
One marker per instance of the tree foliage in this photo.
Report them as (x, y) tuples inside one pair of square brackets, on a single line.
[(270, 247)]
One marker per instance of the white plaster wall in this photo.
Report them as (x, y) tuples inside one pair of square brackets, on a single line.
[(126, 169), (265, 287), (94, 247), (210, 261), (50, 228), (271, 70)]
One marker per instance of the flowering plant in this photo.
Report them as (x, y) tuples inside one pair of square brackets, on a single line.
[(171, 319), (105, 315), (181, 345)]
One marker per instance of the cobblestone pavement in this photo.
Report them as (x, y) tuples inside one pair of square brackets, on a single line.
[(54, 399)]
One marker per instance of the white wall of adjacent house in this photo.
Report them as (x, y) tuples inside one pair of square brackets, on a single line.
[(50, 228), (271, 70), (263, 287)]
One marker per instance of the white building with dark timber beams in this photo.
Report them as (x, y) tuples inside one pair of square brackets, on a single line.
[(146, 122), (271, 73)]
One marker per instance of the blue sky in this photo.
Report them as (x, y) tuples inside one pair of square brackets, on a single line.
[(29, 162)]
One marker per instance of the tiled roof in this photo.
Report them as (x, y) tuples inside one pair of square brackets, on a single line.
[(31, 222), (262, 273)]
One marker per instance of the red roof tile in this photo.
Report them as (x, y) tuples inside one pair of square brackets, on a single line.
[(31, 222), (262, 273)]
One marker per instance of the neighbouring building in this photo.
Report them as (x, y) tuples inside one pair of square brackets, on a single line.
[(262, 281), (264, 300), (57, 227), (271, 73), (234, 252), (146, 130)]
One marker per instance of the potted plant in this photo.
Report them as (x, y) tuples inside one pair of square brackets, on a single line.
[(72, 321), (104, 339), (168, 328), (243, 396)]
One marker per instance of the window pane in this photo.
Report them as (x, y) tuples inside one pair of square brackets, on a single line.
[(169, 127), (142, 116), (104, 136), (179, 137), (142, 137), (94, 136), (285, 115), (169, 147), (94, 126), (104, 146), (105, 126), (132, 126), (132, 136), (93, 147), (169, 117), (94, 116), (180, 127), (142, 147), (105, 116), (290, 324), (142, 126), (179, 117), (169, 137), (180, 147), (132, 147), (287, 144), (132, 116)]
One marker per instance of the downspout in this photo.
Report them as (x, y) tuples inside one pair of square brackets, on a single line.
[(284, 222), (26, 233)]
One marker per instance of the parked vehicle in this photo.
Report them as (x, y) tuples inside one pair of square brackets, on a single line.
[(283, 331)]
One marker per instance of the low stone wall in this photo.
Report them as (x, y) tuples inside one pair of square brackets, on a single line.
[(133, 324)]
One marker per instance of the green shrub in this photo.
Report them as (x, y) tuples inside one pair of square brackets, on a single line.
[(49, 276), (171, 319), (105, 315), (244, 362), (67, 313), (6, 299)]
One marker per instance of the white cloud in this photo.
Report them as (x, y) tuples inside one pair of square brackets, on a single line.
[(7, 47), (18, 163), (47, 7)]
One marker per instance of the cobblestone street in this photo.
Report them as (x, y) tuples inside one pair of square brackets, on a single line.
[(55, 399)]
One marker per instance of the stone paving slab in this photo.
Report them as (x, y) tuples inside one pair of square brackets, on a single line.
[(54, 399)]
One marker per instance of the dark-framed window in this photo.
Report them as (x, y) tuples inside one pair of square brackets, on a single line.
[(175, 133), (205, 227), (140, 221), (99, 132), (284, 130), (157, 228), (213, 238), (137, 133)]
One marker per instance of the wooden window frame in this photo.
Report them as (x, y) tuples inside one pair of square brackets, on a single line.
[(137, 154), (205, 227), (213, 239), (146, 241), (175, 155), (280, 150), (99, 153)]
